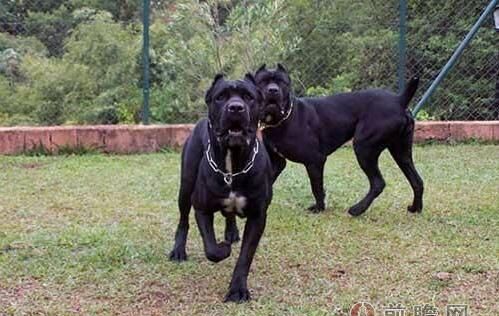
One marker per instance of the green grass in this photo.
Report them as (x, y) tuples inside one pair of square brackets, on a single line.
[(88, 235)]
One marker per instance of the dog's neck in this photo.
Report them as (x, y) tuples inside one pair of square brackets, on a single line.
[(288, 115), (233, 159)]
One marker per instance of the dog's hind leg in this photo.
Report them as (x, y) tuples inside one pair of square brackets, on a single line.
[(367, 156), (402, 154), (231, 231), (316, 174)]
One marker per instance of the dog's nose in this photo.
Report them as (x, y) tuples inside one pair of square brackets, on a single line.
[(236, 107), (272, 90)]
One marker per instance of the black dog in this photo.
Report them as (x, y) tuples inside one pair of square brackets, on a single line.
[(226, 168), (307, 130)]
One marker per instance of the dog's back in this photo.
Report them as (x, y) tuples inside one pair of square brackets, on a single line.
[(376, 111), (378, 102)]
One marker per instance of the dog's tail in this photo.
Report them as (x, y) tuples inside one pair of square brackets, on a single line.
[(409, 92)]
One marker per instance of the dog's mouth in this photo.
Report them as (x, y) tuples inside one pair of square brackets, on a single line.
[(235, 136), (272, 113), (235, 132)]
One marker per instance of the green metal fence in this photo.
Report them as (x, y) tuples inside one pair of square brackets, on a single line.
[(456, 39), (133, 61)]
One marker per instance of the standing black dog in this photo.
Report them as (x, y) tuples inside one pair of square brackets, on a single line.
[(226, 168), (307, 130)]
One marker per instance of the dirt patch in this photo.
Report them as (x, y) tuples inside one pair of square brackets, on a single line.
[(477, 288), (31, 165), (17, 295), (153, 293)]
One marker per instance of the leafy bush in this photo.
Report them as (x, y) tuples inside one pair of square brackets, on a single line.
[(23, 45), (95, 81), (108, 115), (80, 61)]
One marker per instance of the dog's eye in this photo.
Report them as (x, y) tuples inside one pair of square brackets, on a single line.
[(248, 97), (260, 80), (221, 97)]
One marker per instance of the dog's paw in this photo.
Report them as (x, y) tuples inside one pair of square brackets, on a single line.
[(178, 255), (316, 208), (238, 295), (356, 210), (221, 252), (232, 236), (415, 208)]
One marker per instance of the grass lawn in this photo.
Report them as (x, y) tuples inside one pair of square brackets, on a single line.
[(88, 235)]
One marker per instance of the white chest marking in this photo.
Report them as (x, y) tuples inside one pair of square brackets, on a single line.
[(234, 203), (228, 161)]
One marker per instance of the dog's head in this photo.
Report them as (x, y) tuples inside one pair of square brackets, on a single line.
[(275, 85), (233, 109)]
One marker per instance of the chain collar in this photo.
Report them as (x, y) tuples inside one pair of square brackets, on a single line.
[(264, 126), (228, 176)]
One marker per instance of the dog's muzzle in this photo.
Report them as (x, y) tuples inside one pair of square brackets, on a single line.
[(235, 124)]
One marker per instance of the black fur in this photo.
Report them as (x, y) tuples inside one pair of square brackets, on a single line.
[(233, 108), (307, 130)]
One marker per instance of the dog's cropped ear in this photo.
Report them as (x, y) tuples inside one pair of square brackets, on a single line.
[(249, 77), (208, 95), (281, 67), (262, 68)]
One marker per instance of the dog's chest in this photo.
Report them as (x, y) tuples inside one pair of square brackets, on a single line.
[(235, 202)]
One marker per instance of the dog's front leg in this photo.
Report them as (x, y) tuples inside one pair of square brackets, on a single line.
[(238, 290), (214, 252)]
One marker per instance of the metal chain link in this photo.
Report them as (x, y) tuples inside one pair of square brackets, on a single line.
[(228, 176)]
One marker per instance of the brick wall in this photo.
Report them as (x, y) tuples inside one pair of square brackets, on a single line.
[(124, 139)]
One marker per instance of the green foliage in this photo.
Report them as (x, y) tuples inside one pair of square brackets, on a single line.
[(59, 89), (51, 28), (38, 150), (49, 113), (108, 115), (79, 150), (23, 45), (107, 49), (423, 115), (184, 58), (95, 81), (9, 64), (318, 91), (80, 61), (123, 10)]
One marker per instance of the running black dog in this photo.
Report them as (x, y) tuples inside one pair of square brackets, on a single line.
[(226, 168), (307, 130)]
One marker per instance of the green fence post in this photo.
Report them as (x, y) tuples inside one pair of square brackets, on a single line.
[(402, 63), (455, 56), (145, 61)]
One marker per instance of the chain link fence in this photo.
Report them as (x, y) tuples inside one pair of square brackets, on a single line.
[(328, 47), (79, 61), (471, 89)]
